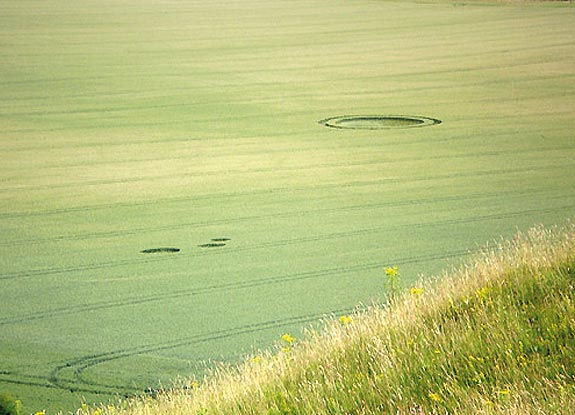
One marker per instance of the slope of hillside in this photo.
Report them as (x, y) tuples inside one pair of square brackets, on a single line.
[(493, 337)]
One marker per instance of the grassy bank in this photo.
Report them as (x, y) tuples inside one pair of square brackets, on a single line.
[(495, 336)]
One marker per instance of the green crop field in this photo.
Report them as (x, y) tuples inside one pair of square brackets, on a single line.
[(134, 125)]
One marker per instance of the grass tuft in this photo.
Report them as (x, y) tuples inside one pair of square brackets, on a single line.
[(496, 336)]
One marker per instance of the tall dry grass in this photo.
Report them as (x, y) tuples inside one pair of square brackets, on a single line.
[(496, 336)]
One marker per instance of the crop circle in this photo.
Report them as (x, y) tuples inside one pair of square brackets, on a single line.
[(160, 250), (378, 122)]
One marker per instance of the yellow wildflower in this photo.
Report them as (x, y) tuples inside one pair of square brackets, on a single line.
[(504, 391), (416, 291), (256, 359), (288, 338), (391, 271), (345, 320), (483, 292), (434, 397)]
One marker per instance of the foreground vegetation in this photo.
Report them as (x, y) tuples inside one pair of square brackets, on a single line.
[(134, 125), (495, 336)]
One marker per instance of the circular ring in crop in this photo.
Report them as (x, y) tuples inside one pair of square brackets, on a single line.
[(378, 122), (160, 250)]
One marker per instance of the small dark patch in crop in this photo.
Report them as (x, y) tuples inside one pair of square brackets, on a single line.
[(160, 250), (212, 245), (220, 239)]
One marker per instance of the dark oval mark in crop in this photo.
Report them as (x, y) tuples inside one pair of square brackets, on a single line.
[(212, 245), (160, 250)]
